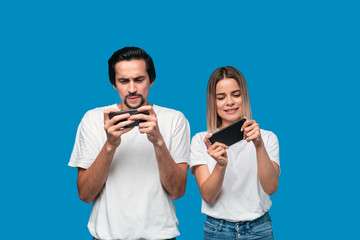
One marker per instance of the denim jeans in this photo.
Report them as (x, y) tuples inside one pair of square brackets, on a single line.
[(165, 239), (218, 229)]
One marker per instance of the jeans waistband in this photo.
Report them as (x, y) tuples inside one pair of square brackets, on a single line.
[(264, 218)]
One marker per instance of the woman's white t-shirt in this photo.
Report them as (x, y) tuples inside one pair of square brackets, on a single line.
[(242, 197)]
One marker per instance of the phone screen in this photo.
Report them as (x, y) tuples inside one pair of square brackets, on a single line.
[(230, 134)]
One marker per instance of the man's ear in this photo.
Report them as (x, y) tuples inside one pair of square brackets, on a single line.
[(114, 86), (152, 83)]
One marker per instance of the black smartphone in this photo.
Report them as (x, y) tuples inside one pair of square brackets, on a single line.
[(230, 134), (132, 112)]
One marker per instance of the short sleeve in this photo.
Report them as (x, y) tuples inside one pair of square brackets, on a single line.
[(86, 147), (197, 151), (272, 148), (180, 141)]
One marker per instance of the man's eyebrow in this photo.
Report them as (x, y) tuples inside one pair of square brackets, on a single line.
[(139, 77), (122, 79)]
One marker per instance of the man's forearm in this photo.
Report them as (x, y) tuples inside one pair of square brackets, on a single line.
[(172, 176), (91, 181)]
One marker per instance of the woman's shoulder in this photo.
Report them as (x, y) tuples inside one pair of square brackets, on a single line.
[(268, 135), (199, 137)]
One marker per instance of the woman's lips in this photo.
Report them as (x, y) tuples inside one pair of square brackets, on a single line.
[(231, 110)]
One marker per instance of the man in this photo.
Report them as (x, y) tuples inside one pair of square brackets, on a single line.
[(132, 174)]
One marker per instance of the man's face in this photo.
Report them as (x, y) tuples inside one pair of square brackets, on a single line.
[(132, 83)]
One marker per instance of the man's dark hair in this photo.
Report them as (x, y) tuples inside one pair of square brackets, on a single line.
[(127, 54)]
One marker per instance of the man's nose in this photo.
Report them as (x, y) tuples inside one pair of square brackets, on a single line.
[(132, 87)]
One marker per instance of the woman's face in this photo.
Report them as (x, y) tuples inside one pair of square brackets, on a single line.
[(228, 101)]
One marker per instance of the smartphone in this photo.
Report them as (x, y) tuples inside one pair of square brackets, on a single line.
[(230, 134), (132, 112)]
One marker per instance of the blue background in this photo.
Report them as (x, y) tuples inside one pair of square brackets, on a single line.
[(301, 62)]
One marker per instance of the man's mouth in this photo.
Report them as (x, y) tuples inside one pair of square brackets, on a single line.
[(133, 98), (231, 110)]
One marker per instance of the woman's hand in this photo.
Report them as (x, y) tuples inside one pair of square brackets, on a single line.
[(217, 151), (251, 131)]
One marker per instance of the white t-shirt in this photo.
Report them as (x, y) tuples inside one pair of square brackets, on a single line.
[(133, 203), (242, 197)]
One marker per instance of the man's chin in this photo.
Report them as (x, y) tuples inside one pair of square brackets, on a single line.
[(134, 106)]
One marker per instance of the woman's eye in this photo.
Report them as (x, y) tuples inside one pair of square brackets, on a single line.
[(220, 98)]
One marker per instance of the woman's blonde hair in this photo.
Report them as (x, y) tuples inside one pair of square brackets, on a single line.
[(212, 118)]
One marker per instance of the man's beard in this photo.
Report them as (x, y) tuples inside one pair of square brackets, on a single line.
[(137, 106)]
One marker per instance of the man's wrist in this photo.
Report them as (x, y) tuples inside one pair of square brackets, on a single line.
[(109, 148)]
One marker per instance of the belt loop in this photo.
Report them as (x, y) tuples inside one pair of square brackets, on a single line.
[(221, 224)]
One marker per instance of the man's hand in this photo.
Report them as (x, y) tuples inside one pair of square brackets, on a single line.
[(114, 131), (150, 127)]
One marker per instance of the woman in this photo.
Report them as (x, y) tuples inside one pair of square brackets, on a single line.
[(235, 182)]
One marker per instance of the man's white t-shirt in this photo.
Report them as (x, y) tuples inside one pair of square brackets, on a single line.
[(242, 197), (132, 203)]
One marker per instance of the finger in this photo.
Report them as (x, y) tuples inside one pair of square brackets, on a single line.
[(206, 140), (125, 130), (254, 131), (219, 144), (219, 154), (144, 117), (245, 125), (148, 108), (248, 123), (150, 123), (217, 151), (254, 135), (121, 125), (252, 125), (146, 129), (107, 112), (120, 117)]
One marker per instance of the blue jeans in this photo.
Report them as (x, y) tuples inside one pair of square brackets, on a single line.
[(218, 229), (165, 239)]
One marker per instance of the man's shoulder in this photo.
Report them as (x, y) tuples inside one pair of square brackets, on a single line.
[(167, 112), (98, 112)]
